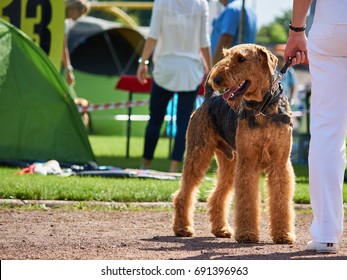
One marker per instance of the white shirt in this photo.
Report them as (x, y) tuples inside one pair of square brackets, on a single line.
[(181, 29), (331, 11), (69, 24)]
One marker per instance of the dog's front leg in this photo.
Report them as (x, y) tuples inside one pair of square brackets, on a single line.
[(218, 201), (280, 182), (247, 201)]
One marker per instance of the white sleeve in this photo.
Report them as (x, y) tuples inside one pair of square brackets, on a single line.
[(205, 30), (155, 25)]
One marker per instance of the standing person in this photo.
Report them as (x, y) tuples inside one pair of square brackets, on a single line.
[(327, 53), (74, 9), (226, 27), (178, 32)]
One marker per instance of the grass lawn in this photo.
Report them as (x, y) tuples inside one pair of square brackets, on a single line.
[(109, 150)]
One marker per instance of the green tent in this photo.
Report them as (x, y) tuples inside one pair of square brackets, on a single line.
[(38, 118)]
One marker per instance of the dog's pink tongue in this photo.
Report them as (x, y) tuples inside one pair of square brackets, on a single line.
[(229, 93)]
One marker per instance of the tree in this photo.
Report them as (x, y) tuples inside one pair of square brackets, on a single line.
[(277, 31)]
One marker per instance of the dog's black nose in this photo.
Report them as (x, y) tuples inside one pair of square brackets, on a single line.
[(218, 80)]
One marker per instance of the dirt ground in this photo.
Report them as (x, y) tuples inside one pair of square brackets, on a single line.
[(57, 233)]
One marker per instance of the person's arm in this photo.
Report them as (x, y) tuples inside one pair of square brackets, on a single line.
[(70, 77), (300, 9), (142, 70), (205, 40), (224, 42), (206, 54), (296, 45)]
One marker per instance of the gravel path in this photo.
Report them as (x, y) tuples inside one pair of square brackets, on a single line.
[(58, 233)]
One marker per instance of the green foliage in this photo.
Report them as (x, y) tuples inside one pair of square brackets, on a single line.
[(278, 33), (275, 32)]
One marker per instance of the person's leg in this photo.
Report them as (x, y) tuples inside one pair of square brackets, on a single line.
[(328, 130), (327, 149), (185, 106), (158, 103)]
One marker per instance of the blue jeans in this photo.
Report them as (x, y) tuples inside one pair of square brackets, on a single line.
[(159, 100)]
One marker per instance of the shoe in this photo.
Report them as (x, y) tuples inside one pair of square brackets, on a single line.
[(321, 247)]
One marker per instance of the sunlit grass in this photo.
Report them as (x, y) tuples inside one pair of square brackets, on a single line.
[(110, 150)]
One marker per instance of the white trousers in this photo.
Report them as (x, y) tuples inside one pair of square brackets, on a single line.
[(327, 52)]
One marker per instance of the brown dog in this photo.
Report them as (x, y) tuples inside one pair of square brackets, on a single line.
[(248, 127)]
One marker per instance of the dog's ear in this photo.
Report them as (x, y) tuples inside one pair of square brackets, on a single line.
[(269, 59), (226, 52), (208, 89)]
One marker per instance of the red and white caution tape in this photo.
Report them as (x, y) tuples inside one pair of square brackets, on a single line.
[(106, 106)]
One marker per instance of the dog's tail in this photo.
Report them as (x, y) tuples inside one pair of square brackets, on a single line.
[(208, 90)]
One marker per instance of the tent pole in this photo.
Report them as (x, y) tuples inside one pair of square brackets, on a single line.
[(113, 53), (133, 56)]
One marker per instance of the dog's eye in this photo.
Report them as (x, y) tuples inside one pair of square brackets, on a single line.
[(241, 59)]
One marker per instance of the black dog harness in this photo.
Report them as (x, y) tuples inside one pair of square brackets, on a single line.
[(274, 95), (259, 108)]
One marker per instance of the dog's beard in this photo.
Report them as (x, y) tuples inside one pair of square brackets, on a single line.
[(235, 105)]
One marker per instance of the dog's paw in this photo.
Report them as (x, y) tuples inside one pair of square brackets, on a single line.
[(288, 238), (187, 231), (225, 232), (247, 237)]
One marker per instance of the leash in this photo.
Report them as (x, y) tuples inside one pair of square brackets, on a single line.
[(280, 74), (275, 90)]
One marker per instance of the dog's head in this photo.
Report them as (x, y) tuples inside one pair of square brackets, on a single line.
[(246, 71)]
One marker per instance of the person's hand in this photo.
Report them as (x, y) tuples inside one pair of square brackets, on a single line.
[(142, 73), (70, 77), (296, 48)]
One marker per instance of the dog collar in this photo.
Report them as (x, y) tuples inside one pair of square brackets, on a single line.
[(270, 97), (278, 118), (275, 92), (258, 108)]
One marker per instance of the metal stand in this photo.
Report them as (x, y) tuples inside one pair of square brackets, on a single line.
[(130, 99)]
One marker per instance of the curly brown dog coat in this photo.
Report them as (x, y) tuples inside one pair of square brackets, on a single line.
[(249, 130)]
